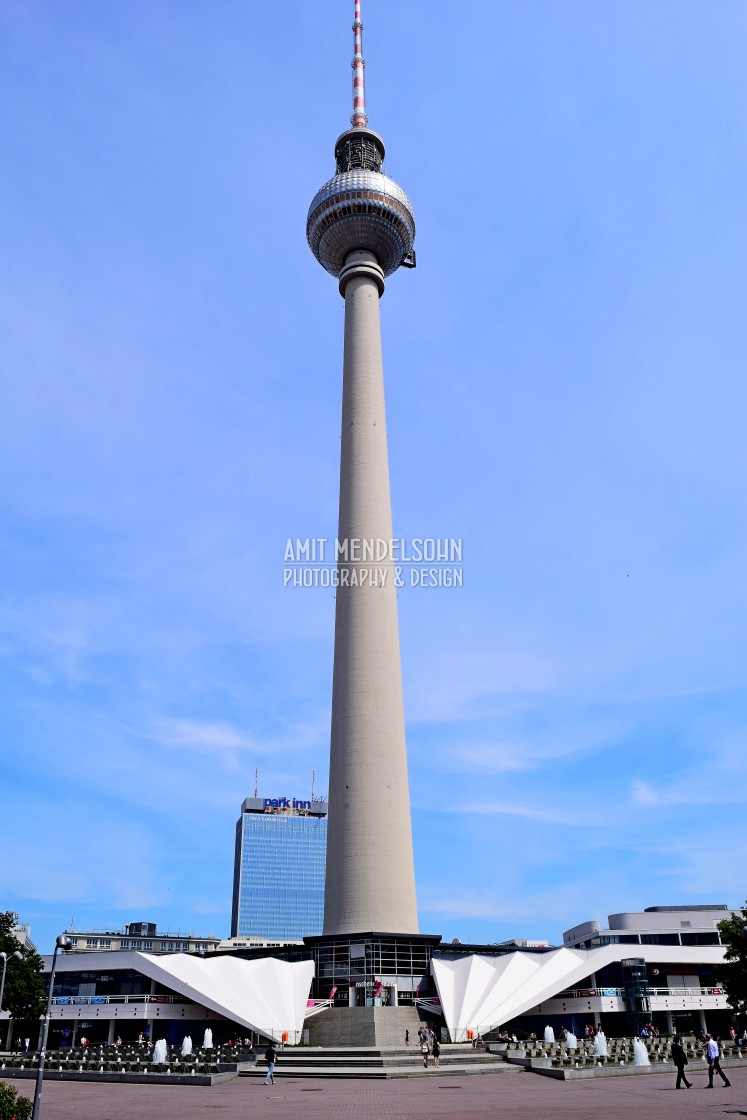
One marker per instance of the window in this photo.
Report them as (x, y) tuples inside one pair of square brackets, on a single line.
[(92, 943), (136, 944), (105, 942), (147, 944), (700, 938), (124, 944)]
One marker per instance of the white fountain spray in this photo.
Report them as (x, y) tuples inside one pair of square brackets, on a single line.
[(159, 1052)]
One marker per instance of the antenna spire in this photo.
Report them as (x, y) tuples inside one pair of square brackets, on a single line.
[(359, 118)]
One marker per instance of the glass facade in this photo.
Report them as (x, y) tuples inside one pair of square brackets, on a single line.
[(278, 888), (372, 965)]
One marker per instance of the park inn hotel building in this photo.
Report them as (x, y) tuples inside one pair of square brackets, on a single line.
[(278, 877)]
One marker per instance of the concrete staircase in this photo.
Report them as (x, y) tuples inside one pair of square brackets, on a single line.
[(371, 1063), (363, 1026)]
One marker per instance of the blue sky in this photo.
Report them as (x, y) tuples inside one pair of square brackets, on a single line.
[(566, 392)]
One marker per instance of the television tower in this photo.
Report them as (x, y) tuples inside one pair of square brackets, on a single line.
[(361, 228)]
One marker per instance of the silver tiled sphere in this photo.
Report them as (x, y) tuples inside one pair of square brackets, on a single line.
[(360, 210)]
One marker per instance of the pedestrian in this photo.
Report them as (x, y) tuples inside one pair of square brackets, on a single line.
[(26, 1043), (407, 1038), (424, 1051), (713, 1063), (436, 1052), (271, 1057), (679, 1057)]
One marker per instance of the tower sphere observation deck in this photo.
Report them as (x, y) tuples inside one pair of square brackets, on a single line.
[(361, 208)]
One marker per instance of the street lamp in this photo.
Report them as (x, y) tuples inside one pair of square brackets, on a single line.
[(4, 958), (62, 942)]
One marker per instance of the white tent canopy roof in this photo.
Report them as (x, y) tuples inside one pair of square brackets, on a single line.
[(265, 995), (482, 992)]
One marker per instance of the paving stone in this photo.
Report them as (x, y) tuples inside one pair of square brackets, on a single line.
[(521, 1097)]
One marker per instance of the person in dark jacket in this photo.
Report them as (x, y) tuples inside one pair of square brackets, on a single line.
[(271, 1056), (679, 1057)]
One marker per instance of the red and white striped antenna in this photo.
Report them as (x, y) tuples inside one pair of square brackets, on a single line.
[(359, 118)]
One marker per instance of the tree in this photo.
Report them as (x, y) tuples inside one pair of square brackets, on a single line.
[(13, 1107), (23, 995), (733, 972)]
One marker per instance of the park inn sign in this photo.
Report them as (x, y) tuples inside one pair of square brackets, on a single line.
[(271, 803)]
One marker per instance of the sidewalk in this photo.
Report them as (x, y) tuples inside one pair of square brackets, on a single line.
[(521, 1097)]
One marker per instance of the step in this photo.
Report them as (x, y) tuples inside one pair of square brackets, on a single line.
[(380, 1073)]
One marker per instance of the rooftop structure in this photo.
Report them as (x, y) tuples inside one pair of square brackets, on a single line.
[(656, 925)]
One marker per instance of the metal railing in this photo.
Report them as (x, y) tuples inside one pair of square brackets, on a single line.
[(667, 993), (82, 1001)]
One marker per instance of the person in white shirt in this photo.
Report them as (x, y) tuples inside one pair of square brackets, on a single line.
[(713, 1063)]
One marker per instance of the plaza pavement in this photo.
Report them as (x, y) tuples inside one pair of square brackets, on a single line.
[(524, 1096)]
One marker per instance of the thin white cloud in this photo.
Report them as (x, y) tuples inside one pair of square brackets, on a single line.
[(494, 758), (549, 815), (203, 736), (696, 786)]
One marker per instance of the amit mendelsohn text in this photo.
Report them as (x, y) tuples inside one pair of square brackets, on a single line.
[(353, 550)]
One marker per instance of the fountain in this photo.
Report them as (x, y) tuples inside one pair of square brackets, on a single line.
[(549, 1034), (186, 1046), (207, 1042), (640, 1053), (600, 1045), (159, 1053), (571, 1041)]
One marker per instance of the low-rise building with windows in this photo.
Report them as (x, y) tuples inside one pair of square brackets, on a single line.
[(142, 937)]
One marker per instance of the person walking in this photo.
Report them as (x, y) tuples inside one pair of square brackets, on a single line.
[(407, 1038), (436, 1051), (424, 1051), (271, 1056), (713, 1063), (679, 1057)]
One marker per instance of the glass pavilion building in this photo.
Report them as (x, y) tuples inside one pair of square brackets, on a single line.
[(278, 877)]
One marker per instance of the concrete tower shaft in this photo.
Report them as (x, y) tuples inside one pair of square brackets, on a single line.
[(370, 880), (361, 228)]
